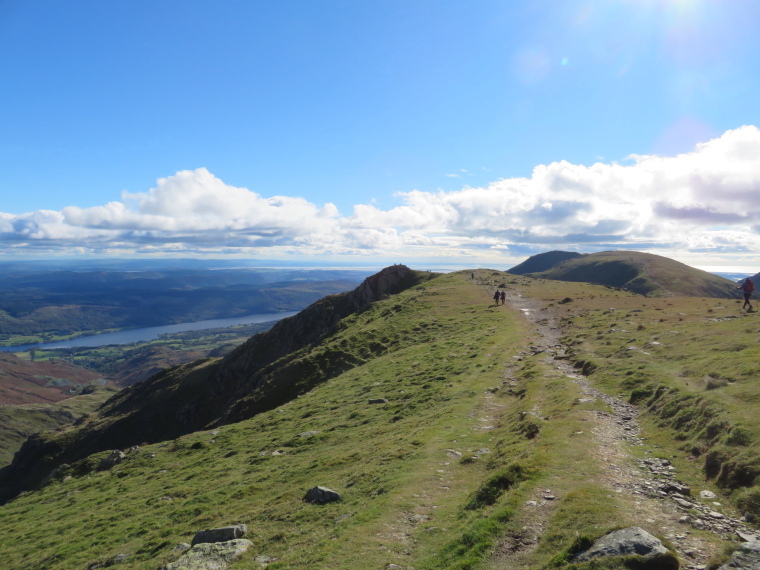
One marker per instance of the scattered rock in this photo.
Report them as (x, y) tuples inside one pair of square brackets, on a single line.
[(627, 541), (746, 557), (211, 556), (308, 434), (682, 503), (114, 458), (707, 494), (222, 534), (321, 495)]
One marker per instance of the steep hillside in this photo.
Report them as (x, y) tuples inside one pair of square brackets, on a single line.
[(641, 273), (270, 369), (458, 433)]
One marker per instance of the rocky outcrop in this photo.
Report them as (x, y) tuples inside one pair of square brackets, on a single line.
[(746, 557), (211, 555)]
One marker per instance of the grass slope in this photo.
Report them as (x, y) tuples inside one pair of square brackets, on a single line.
[(433, 477)]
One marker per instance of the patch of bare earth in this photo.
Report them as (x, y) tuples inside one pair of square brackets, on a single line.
[(659, 502)]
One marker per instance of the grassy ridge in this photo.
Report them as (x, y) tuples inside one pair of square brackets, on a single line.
[(433, 389), (436, 475)]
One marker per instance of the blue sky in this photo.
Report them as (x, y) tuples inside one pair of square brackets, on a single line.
[(459, 132)]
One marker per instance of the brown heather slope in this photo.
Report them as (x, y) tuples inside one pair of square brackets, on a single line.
[(642, 273), (25, 382), (147, 363)]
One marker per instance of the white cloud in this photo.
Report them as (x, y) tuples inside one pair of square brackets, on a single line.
[(706, 201)]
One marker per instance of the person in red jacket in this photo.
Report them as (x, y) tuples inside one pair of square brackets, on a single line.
[(747, 288)]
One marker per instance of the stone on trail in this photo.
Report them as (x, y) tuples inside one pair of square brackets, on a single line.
[(222, 534), (211, 556), (624, 542), (746, 557), (321, 495)]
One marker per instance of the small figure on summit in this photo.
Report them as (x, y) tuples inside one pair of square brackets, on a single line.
[(496, 297), (747, 288), (503, 297)]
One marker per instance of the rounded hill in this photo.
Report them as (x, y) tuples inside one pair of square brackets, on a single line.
[(643, 273)]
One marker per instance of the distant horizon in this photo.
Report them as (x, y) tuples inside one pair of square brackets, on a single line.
[(294, 264)]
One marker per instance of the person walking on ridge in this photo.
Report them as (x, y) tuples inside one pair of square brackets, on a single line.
[(496, 297), (503, 297), (747, 288)]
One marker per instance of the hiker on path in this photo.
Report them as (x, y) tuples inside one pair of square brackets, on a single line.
[(503, 297), (747, 288), (496, 297)]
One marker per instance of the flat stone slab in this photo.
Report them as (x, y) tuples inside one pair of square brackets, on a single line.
[(211, 556), (222, 534)]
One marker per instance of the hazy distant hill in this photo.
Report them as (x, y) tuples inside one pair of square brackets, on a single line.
[(642, 273), (40, 302)]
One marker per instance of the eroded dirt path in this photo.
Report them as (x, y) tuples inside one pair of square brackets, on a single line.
[(660, 503)]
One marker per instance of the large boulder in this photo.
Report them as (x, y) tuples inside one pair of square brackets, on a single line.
[(624, 542), (222, 534), (210, 556), (746, 557), (321, 495)]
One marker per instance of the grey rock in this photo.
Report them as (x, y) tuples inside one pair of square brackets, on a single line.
[(321, 495), (746, 557), (707, 494), (114, 458), (211, 556), (222, 534), (308, 433), (627, 541), (676, 487)]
